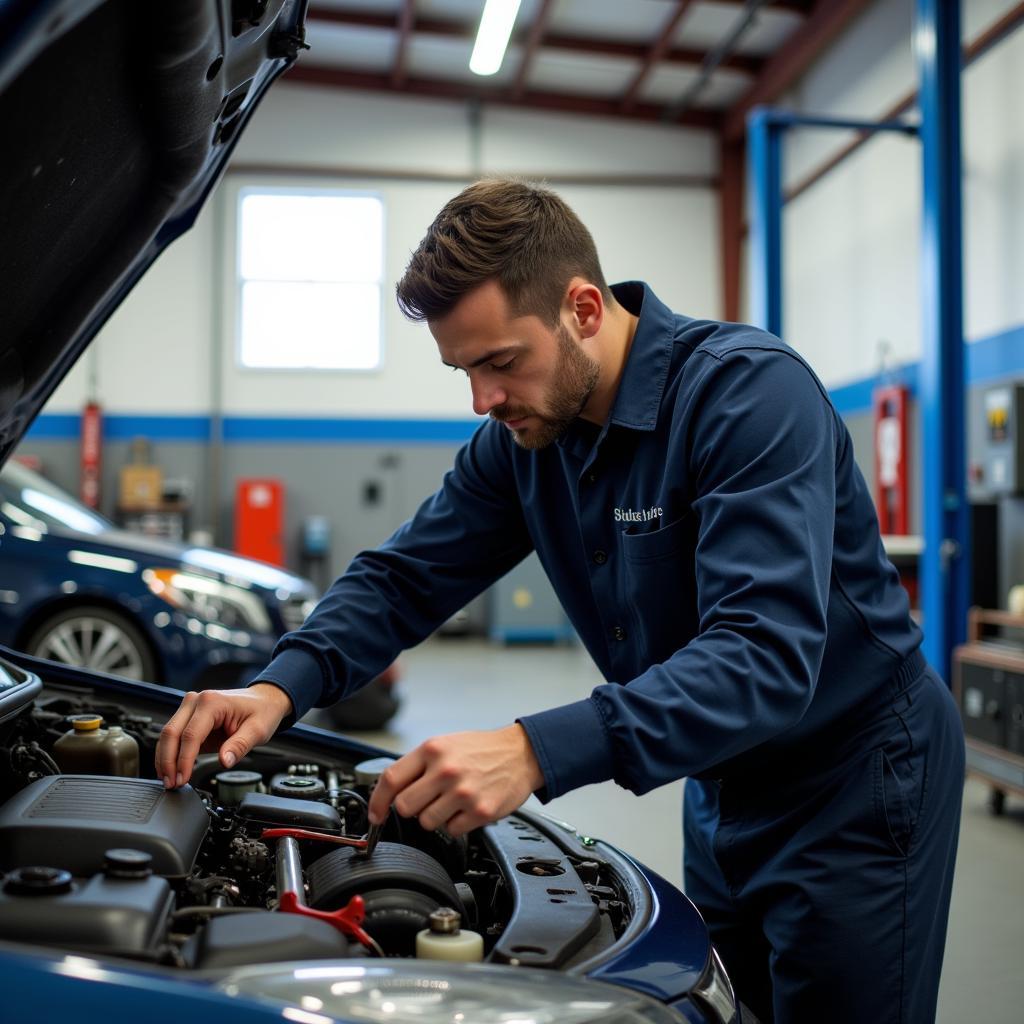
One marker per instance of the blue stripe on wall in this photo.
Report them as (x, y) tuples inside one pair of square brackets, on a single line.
[(989, 359), (241, 429), (249, 429), (1001, 355), (159, 428), (53, 426)]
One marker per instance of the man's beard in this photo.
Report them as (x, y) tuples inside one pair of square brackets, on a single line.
[(573, 381)]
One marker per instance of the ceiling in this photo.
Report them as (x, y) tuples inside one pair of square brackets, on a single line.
[(688, 62)]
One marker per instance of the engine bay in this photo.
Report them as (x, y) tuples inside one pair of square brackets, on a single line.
[(266, 863)]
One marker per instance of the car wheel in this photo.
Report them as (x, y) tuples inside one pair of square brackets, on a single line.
[(368, 709), (97, 638)]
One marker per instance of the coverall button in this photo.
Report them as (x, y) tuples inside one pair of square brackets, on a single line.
[(591, 478), (619, 633), (600, 557)]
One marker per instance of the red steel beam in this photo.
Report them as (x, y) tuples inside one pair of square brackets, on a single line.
[(441, 89), (828, 19), (537, 29), (732, 161), (405, 20), (743, 63), (661, 46)]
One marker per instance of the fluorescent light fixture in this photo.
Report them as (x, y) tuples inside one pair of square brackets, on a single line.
[(493, 35)]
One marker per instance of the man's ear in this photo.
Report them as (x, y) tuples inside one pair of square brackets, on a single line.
[(585, 306)]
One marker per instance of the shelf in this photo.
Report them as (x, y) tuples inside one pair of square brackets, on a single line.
[(903, 545)]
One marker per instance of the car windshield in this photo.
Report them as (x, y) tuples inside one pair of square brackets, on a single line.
[(30, 500)]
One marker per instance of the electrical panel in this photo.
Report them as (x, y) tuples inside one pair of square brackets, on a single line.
[(1002, 468)]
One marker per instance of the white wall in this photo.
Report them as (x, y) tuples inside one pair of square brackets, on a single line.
[(154, 356), (852, 241)]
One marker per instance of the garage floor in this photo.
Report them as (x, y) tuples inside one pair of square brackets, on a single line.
[(452, 684)]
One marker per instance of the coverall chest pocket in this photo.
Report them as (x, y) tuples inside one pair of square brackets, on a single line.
[(661, 585)]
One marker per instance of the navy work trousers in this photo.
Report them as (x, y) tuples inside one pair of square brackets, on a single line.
[(826, 884)]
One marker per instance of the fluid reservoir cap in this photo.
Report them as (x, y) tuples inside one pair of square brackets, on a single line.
[(445, 921), (301, 787), (234, 787), (38, 881), (127, 863), (86, 723), (368, 772), (240, 778)]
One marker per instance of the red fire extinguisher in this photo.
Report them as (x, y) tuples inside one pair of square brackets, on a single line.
[(892, 458), (91, 453)]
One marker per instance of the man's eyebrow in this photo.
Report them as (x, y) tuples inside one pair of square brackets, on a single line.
[(486, 358)]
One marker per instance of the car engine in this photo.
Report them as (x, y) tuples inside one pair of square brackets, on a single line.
[(267, 862)]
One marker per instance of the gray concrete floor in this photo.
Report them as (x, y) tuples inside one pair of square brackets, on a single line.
[(449, 685)]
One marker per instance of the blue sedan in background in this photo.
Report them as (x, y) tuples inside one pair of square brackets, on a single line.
[(76, 589)]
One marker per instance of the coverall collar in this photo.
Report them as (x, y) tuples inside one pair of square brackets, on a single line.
[(638, 399)]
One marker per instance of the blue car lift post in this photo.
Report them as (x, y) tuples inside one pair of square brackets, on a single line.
[(945, 560)]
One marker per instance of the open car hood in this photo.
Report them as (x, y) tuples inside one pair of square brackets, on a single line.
[(118, 119)]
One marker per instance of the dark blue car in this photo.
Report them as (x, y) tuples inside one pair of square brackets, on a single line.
[(247, 895), (75, 589)]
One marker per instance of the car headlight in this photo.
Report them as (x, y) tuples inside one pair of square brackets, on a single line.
[(210, 600), (713, 992), (429, 992)]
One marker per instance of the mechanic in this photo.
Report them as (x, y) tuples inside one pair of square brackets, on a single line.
[(692, 495)]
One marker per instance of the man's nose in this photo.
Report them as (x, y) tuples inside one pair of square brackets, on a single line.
[(487, 397)]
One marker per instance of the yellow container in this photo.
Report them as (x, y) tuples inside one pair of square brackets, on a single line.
[(88, 749)]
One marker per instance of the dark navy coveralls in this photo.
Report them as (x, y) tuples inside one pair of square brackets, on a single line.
[(716, 548)]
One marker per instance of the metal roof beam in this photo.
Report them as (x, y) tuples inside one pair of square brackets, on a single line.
[(537, 29), (661, 46), (828, 19), (743, 63), (405, 22), (312, 74)]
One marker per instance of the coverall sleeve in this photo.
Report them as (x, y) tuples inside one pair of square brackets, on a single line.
[(464, 537), (762, 466)]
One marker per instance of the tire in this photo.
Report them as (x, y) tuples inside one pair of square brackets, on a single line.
[(368, 709), (94, 637)]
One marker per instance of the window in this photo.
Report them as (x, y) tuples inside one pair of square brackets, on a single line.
[(310, 268)]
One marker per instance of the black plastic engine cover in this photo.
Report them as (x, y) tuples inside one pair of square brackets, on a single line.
[(70, 821), (263, 938), (283, 810), (110, 915), (553, 913)]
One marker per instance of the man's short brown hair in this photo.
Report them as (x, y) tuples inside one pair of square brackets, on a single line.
[(521, 235)]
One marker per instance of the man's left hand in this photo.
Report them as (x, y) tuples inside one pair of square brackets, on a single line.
[(460, 781)]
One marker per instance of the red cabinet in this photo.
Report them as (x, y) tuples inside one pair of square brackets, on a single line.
[(259, 520)]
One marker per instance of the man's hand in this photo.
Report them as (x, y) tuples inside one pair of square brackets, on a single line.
[(461, 781), (231, 721)]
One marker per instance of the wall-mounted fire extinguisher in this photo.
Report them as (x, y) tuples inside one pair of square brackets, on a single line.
[(91, 453), (892, 458)]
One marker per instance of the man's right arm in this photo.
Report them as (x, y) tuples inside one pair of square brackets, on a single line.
[(461, 539)]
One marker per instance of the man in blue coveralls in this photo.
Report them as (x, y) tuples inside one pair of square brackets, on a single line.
[(693, 497)]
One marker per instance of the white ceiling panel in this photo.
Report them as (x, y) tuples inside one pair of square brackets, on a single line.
[(623, 21), (470, 10), (706, 24), (374, 6), (349, 47), (666, 84), (580, 74), (441, 57)]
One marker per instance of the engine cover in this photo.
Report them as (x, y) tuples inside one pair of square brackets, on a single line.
[(70, 821)]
